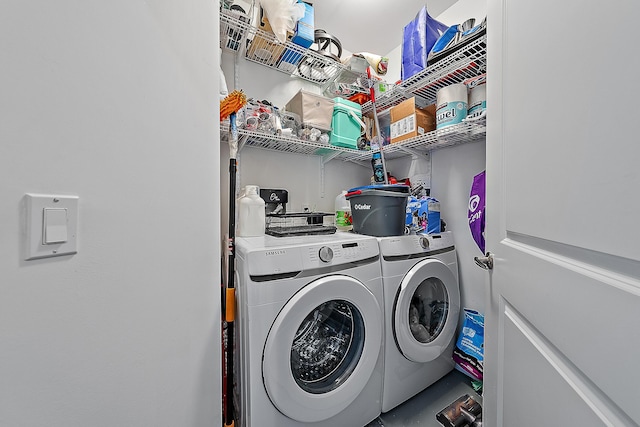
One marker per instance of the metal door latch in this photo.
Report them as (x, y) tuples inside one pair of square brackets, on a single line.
[(484, 262)]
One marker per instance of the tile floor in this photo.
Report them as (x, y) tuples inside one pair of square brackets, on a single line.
[(421, 410)]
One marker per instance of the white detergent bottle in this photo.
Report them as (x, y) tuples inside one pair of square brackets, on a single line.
[(251, 214), (343, 212)]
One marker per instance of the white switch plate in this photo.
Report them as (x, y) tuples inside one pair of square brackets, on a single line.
[(36, 205)]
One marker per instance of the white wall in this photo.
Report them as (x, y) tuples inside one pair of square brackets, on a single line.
[(453, 170), (114, 102)]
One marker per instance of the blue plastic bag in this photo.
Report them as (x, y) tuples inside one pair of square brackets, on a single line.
[(418, 37)]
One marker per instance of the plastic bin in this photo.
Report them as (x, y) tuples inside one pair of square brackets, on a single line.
[(345, 128), (379, 210)]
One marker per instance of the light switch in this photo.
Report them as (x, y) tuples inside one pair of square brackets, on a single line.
[(51, 225), (55, 226)]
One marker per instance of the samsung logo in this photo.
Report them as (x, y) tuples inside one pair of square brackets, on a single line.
[(362, 207), (278, 252)]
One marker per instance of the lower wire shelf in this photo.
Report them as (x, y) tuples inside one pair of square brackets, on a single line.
[(462, 133)]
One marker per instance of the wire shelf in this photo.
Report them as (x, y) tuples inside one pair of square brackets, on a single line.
[(264, 48), (421, 144), (469, 61)]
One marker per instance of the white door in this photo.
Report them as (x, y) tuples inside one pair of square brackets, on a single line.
[(563, 157)]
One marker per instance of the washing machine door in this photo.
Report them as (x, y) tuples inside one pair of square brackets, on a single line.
[(322, 348), (425, 312)]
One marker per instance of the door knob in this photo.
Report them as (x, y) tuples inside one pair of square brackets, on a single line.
[(484, 262)]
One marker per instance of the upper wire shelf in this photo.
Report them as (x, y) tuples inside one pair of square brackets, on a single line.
[(238, 35), (469, 61)]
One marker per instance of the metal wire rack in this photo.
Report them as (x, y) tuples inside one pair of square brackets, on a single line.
[(469, 61), (237, 34), (421, 144)]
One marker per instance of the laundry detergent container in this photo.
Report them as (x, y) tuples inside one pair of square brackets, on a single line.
[(379, 210), (346, 123)]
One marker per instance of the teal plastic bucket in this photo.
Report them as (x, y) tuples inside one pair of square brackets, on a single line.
[(345, 128)]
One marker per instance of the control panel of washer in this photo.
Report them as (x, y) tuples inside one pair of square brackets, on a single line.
[(415, 244), (341, 252)]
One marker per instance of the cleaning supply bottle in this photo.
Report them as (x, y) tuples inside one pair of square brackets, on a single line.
[(343, 212), (378, 168), (251, 213)]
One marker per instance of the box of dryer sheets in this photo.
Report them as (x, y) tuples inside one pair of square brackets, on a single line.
[(408, 121)]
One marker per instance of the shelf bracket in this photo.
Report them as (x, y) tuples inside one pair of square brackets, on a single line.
[(412, 151), (242, 139), (327, 158), (322, 163)]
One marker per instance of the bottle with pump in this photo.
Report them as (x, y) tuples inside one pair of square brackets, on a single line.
[(251, 213), (343, 212)]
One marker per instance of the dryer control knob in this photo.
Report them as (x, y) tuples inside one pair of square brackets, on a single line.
[(424, 242), (325, 254)]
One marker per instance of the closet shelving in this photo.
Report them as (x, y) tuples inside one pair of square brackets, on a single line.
[(422, 144), (241, 37), (238, 35), (469, 61)]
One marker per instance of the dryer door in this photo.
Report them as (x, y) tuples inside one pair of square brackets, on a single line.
[(322, 348), (426, 309)]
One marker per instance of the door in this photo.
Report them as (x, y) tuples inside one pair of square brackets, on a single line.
[(425, 312), (562, 335), (322, 348)]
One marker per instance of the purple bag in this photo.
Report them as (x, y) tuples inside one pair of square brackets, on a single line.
[(476, 209), (418, 37)]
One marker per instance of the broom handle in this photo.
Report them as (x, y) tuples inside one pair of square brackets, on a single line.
[(372, 93)]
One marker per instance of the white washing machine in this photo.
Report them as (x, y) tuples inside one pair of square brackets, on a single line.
[(309, 330), (422, 306)]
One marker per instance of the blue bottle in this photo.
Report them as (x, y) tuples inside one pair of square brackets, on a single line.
[(378, 169)]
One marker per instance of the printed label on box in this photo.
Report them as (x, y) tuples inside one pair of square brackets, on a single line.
[(403, 126)]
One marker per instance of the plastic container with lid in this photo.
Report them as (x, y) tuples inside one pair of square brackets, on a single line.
[(347, 124), (343, 212), (379, 210), (251, 213)]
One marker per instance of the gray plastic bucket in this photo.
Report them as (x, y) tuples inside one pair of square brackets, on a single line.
[(378, 213)]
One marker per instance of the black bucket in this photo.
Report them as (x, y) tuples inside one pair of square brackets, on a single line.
[(379, 210)]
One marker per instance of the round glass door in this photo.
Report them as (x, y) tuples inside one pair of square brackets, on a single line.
[(428, 310), (327, 346), (425, 313), (322, 348)]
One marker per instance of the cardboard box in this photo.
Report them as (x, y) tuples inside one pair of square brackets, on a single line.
[(407, 121), (265, 47)]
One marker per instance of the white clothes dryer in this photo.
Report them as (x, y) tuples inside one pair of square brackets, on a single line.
[(422, 306), (309, 330)]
